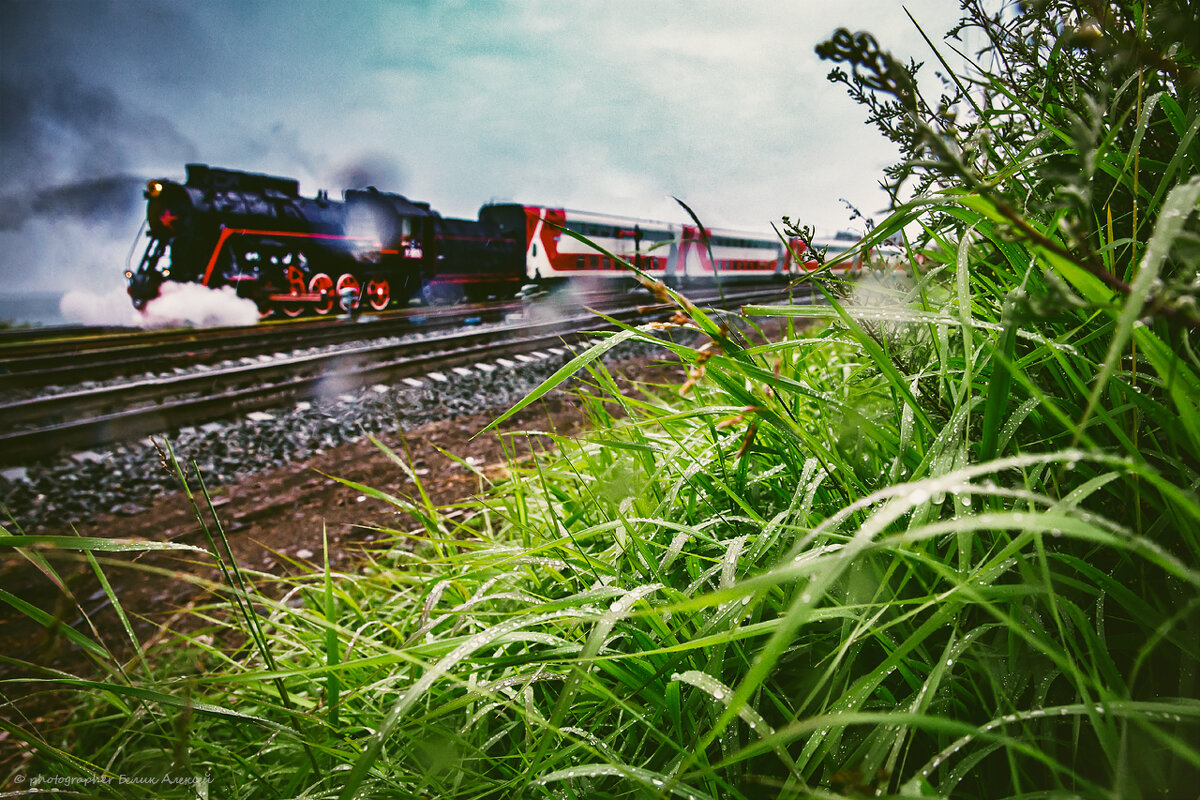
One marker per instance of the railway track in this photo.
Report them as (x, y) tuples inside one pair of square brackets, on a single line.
[(40, 427), (38, 362)]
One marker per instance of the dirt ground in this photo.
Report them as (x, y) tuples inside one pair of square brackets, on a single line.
[(271, 519)]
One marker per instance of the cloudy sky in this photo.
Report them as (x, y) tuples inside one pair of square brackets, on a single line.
[(605, 105)]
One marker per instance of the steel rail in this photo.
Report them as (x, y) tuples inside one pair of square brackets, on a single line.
[(65, 368), (100, 416), (65, 362), (24, 365)]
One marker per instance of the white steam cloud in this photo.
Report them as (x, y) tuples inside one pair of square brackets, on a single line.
[(94, 308), (198, 306), (179, 305)]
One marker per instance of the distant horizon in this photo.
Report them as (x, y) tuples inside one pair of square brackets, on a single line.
[(39, 307), (10, 295)]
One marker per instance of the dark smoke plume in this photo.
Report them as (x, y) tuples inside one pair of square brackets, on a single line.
[(370, 170), (58, 134), (70, 154), (97, 200)]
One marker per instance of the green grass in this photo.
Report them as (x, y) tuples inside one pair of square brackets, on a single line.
[(945, 542), (643, 611)]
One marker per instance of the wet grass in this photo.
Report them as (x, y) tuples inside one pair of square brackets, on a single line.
[(944, 543)]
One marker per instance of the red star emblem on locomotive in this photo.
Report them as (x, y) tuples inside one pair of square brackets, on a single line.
[(168, 219)]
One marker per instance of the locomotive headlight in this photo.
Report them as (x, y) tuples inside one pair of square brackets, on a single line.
[(128, 274), (154, 188)]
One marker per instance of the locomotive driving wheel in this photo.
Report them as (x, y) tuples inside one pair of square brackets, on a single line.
[(378, 294), (349, 291), (295, 278), (322, 284)]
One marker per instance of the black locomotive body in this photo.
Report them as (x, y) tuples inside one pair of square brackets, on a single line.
[(287, 252)]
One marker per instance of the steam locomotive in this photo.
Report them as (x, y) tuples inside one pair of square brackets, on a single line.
[(292, 254)]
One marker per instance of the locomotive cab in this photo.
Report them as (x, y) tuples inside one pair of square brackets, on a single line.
[(403, 231)]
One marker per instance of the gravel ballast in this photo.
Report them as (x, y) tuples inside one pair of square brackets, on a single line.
[(125, 478)]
